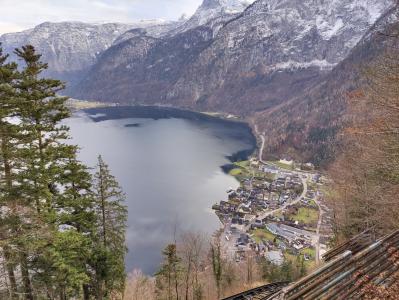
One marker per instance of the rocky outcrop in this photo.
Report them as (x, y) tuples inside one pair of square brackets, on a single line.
[(306, 125)]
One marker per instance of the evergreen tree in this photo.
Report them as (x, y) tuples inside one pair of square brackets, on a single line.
[(169, 272), (66, 238), (111, 212), (8, 152), (73, 243), (41, 112), (54, 185)]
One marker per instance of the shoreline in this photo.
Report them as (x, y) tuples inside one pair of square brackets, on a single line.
[(95, 111)]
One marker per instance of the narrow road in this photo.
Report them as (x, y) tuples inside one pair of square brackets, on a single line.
[(317, 246), (297, 200), (262, 146), (269, 213)]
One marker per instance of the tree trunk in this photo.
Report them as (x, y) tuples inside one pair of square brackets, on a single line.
[(10, 273), (102, 195), (188, 276), (6, 250), (100, 290), (176, 288), (86, 292), (25, 277)]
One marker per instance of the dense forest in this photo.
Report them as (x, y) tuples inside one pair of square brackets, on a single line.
[(62, 228)]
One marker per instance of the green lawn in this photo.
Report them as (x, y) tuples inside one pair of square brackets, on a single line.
[(262, 234), (309, 251), (282, 165), (242, 164), (306, 216), (235, 172), (309, 264)]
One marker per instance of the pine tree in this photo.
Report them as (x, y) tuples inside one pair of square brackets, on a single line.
[(41, 112), (8, 152), (73, 244), (55, 185), (111, 221), (169, 271), (54, 227)]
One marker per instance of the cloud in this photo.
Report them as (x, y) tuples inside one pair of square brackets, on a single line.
[(9, 27), (17, 15)]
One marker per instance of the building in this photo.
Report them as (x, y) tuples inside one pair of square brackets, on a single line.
[(275, 257)]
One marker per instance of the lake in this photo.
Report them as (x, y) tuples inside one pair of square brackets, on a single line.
[(169, 163)]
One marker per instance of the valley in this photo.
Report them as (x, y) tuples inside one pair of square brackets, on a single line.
[(199, 149), (229, 58)]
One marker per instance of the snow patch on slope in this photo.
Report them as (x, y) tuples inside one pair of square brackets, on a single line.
[(291, 65), (326, 30)]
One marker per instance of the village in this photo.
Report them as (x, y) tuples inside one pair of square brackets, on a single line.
[(278, 213)]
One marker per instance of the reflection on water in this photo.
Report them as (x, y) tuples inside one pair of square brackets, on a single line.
[(169, 168)]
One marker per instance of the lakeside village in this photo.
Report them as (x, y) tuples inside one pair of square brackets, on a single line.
[(277, 212)]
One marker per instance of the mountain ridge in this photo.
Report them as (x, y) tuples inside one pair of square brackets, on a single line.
[(258, 60), (243, 59)]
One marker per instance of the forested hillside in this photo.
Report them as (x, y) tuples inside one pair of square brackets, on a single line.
[(365, 174), (306, 126)]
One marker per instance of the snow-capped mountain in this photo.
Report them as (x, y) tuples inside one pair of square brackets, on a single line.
[(213, 9), (71, 48), (250, 62), (157, 30), (274, 41), (309, 121), (267, 59)]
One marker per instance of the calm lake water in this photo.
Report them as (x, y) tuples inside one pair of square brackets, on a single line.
[(169, 165)]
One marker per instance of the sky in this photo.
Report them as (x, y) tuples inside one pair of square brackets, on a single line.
[(17, 15)]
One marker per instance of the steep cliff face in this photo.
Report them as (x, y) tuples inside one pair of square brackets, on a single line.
[(306, 125), (248, 62), (210, 10), (142, 68), (272, 50)]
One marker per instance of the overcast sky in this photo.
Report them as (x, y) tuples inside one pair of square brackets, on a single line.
[(17, 15)]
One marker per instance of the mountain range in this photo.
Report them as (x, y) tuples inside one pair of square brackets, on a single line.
[(277, 63)]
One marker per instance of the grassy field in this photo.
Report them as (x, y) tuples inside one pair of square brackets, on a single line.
[(309, 264), (262, 234), (80, 104), (242, 170), (309, 251), (282, 165), (306, 216), (236, 172), (243, 164)]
